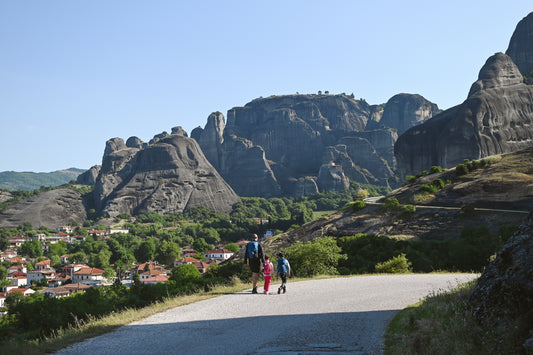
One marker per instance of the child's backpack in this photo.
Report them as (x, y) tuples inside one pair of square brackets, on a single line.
[(282, 265), (253, 249), (267, 268)]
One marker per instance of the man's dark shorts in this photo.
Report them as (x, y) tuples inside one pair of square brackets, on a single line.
[(255, 265)]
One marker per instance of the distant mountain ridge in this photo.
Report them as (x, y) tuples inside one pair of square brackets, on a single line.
[(27, 180)]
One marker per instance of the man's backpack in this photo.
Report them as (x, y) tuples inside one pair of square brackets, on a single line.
[(253, 249)]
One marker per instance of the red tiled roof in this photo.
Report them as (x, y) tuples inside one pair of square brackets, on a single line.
[(89, 271), (157, 278)]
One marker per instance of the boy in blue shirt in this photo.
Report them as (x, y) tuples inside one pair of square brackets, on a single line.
[(283, 269)]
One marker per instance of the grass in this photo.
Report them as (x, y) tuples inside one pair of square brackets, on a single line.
[(442, 324)]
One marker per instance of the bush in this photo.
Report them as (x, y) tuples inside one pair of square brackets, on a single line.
[(407, 210), (435, 169), (397, 265), (317, 257), (461, 169), (468, 211), (439, 183), (391, 204), (354, 206), (432, 189)]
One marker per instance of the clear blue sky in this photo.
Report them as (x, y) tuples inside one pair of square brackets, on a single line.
[(75, 73)]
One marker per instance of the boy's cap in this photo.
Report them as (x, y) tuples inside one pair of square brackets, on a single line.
[(280, 254)]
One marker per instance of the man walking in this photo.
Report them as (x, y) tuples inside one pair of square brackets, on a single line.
[(254, 254)]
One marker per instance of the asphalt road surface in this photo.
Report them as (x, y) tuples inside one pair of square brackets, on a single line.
[(341, 315)]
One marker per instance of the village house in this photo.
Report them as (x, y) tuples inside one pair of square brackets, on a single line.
[(38, 275), (66, 229), (7, 255), (70, 269), (185, 260), (155, 279), (187, 251), (89, 276), (64, 258), (17, 241), (65, 290), (76, 239), (118, 230), (152, 273), (219, 254), (6, 290), (18, 278), (17, 268)]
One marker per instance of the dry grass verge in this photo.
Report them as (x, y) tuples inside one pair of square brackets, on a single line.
[(442, 324)]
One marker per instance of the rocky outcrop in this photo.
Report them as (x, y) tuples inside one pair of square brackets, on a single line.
[(89, 177), (520, 48), (404, 111), (268, 146), (168, 175), (503, 297), (332, 178), (48, 209), (497, 117)]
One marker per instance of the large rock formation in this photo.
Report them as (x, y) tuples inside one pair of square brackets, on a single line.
[(520, 46), (404, 111), (49, 209), (503, 297), (168, 175), (278, 145), (496, 118)]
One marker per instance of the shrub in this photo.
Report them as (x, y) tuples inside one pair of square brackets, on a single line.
[(354, 206), (397, 265), (391, 203), (439, 183), (410, 179), (468, 211), (432, 189), (461, 169), (435, 169), (317, 257), (407, 210)]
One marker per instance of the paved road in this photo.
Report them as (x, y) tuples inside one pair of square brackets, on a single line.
[(341, 315)]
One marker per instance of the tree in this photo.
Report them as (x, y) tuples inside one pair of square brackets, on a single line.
[(31, 249), (317, 257), (232, 247), (146, 251), (185, 272), (201, 246), (168, 252)]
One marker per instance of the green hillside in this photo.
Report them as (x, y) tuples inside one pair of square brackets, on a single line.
[(13, 180)]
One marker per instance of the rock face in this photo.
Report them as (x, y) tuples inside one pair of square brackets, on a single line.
[(49, 209), (89, 177), (169, 175), (520, 48), (497, 117), (504, 293), (277, 145), (404, 111)]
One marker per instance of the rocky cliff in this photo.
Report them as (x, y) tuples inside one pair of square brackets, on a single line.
[(520, 46), (496, 117), (289, 144), (169, 174), (49, 209)]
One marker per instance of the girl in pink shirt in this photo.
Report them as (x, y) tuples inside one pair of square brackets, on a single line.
[(268, 269)]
